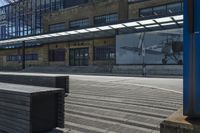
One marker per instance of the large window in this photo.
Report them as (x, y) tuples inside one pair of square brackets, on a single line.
[(136, 0), (25, 17), (172, 8), (106, 19), (82, 23), (146, 12), (104, 53), (160, 10), (175, 8), (57, 55), (57, 27), (68, 3), (28, 57)]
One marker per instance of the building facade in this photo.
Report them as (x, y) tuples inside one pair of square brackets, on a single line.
[(32, 17)]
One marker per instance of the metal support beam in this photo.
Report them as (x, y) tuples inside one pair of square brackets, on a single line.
[(23, 55), (191, 58)]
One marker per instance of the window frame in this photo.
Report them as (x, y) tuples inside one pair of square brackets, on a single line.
[(102, 56), (61, 28), (79, 20), (28, 57), (152, 7), (106, 15)]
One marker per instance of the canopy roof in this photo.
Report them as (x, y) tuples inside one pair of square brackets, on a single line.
[(139, 25)]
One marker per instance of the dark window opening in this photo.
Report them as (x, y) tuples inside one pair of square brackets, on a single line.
[(160, 10), (171, 8), (68, 3), (57, 27), (146, 12), (175, 8), (82, 23), (57, 55), (104, 53), (106, 19), (28, 57)]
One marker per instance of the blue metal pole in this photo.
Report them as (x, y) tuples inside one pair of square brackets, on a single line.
[(191, 98)]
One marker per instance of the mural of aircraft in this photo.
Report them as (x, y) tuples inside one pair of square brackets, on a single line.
[(169, 49)]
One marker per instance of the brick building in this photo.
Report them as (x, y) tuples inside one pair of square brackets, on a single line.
[(99, 49)]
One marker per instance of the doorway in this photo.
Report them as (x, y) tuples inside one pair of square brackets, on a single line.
[(79, 57)]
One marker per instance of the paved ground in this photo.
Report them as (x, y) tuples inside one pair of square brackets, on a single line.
[(108, 104)]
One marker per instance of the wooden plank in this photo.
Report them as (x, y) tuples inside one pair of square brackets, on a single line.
[(37, 109), (15, 114), (45, 80), (4, 128)]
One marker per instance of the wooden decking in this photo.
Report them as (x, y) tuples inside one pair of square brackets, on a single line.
[(109, 105)]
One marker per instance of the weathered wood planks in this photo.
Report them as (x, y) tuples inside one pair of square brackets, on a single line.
[(30, 109), (36, 79)]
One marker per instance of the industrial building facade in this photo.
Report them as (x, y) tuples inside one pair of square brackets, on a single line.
[(35, 17)]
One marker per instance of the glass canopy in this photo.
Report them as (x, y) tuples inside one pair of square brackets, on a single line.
[(138, 25)]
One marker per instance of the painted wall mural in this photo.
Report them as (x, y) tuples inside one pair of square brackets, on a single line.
[(158, 47)]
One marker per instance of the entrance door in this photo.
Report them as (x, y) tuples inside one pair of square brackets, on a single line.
[(79, 57)]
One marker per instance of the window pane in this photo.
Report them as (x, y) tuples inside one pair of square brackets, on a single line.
[(68, 3), (161, 10), (28, 57), (79, 24), (105, 19), (146, 12), (174, 8), (21, 19), (57, 27), (104, 53)]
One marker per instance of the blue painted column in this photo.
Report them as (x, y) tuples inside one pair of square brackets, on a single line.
[(191, 98)]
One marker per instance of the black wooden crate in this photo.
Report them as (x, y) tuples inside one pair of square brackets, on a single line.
[(30, 109), (36, 79)]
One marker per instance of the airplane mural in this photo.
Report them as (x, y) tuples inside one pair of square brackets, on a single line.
[(170, 48)]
